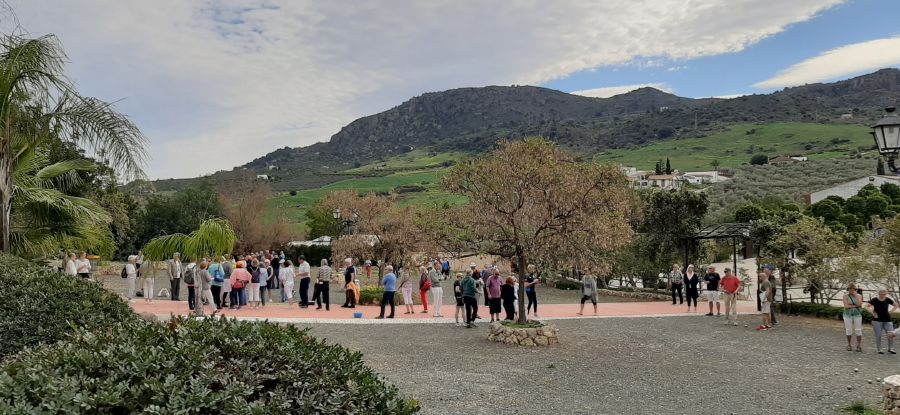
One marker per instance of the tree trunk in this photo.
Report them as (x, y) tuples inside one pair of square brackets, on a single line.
[(6, 190), (522, 275)]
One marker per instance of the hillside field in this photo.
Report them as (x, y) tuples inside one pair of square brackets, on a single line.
[(829, 147), (740, 142)]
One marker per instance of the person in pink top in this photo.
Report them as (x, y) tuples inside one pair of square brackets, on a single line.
[(240, 279), (493, 285)]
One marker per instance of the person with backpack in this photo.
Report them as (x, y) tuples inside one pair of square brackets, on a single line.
[(253, 299), (217, 275), (188, 276)]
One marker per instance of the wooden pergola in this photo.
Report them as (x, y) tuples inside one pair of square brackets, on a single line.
[(733, 231)]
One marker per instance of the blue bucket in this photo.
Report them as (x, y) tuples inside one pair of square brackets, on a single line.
[(357, 315)]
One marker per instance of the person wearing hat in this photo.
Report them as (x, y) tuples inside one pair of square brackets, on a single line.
[(176, 270), (303, 273)]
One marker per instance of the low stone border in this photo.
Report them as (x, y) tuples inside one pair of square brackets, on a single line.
[(537, 336), (634, 294), (890, 395)]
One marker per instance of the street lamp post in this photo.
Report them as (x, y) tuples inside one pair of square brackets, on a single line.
[(347, 223), (887, 137)]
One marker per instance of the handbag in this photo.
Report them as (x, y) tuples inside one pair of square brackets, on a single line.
[(427, 285), (238, 284)]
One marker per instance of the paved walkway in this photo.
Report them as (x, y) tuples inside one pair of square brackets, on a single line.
[(280, 312)]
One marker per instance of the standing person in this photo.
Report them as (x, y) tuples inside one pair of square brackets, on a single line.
[(479, 287), (588, 290), (676, 283), (882, 306), (730, 286), (508, 295), (71, 267), (240, 278), (189, 275), (485, 274), (389, 283), (253, 299), (691, 282), (139, 261), (368, 269), (274, 283), (130, 276), (286, 277), (853, 302), (83, 266), (406, 290), (228, 269), (204, 284), (470, 298), (531, 281), (774, 283), (457, 294), (148, 286), (265, 275), (323, 280), (217, 276), (712, 280), (176, 271), (493, 287), (445, 268), (349, 278), (437, 293), (765, 300), (303, 273), (424, 287)]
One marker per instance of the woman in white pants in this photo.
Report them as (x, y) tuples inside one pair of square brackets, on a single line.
[(204, 280), (853, 316), (406, 290), (130, 276), (286, 276), (148, 287)]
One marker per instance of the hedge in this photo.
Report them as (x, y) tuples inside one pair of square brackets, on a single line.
[(200, 366), (41, 306), (825, 311)]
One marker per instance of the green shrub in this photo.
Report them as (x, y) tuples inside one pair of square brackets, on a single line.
[(199, 366), (40, 306), (824, 311), (567, 285), (372, 296)]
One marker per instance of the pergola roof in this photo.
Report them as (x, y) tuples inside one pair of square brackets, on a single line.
[(723, 231)]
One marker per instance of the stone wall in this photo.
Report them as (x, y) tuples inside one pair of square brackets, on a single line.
[(538, 336), (634, 294), (890, 393)]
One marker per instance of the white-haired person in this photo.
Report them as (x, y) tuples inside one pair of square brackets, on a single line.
[(437, 293), (286, 277), (131, 272), (406, 288)]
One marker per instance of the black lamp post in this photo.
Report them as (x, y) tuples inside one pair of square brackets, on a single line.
[(887, 137), (347, 223)]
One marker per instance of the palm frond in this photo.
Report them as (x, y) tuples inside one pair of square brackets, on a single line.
[(161, 248)]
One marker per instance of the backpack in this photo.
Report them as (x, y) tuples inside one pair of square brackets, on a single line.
[(189, 273), (125, 272), (217, 274)]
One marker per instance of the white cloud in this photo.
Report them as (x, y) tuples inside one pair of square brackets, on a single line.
[(215, 83), (608, 91), (730, 96), (844, 61)]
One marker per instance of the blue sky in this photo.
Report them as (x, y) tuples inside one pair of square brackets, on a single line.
[(216, 83), (735, 73)]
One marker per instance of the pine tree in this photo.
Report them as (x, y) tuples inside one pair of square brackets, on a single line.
[(668, 166), (658, 168), (880, 169)]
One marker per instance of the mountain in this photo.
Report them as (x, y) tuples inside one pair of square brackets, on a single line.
[(473, 119)]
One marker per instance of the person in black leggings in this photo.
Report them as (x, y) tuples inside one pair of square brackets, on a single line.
[(676, 283), (691, 283), (530, 284)]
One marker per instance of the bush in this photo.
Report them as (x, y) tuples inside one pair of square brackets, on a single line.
[(759, 159), (195, 366), (372, 296), (567, 285), (40, 306), (313, 254), (824, 311)]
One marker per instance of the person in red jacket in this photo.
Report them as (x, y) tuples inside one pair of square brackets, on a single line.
[(731, 285)]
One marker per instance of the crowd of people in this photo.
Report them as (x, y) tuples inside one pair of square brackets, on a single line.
[(252, 280)]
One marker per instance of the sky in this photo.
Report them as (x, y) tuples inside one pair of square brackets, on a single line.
[(215, 84)]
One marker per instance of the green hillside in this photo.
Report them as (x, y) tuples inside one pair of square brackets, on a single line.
[(740, 142)]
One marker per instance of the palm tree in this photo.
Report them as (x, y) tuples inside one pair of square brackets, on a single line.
[(44, 217), (37, 102)]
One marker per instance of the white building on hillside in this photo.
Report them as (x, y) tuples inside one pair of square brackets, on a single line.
[(851, 188)]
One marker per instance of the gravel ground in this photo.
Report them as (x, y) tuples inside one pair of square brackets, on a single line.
[(672, 365)]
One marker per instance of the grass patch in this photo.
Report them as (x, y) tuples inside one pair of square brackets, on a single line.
[(735, 146), (526, 325), (860, 408)]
